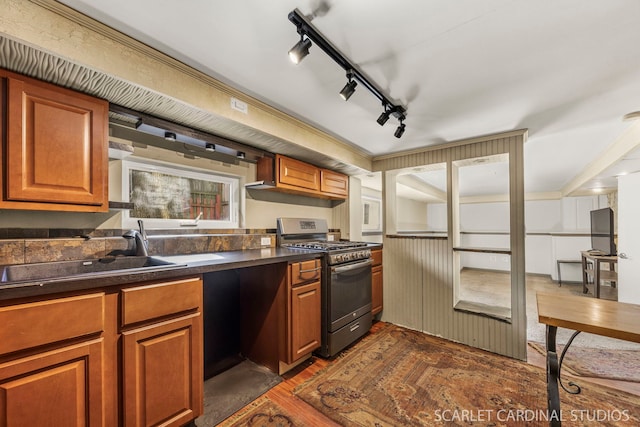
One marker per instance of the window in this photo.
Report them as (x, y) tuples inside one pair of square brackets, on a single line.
[(170, 197), (482, 278), (371, 214), (420, 200)]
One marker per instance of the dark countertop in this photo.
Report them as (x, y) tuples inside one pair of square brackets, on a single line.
[(187, 265)]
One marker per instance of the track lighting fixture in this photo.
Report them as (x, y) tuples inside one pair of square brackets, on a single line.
[(382, 119), (400, 130), (170, 136), (308, 34), (300, 50), (240, 155), (210, 147), (349, 88)]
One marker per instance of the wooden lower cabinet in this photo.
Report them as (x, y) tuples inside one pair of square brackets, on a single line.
[(162, 373), (281, 317), (60, 387), (376, 282), (127, 356), (304, 320), (162, 353)]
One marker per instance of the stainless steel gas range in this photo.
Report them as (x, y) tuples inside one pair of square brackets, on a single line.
[(346, 280)]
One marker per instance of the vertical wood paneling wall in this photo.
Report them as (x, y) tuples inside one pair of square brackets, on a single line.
[(419, 272)]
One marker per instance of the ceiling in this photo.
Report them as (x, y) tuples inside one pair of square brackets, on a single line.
[(567, 70)]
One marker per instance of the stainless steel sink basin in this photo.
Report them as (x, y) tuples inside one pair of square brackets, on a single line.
[(69, 269)]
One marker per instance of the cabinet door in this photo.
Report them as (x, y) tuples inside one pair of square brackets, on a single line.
[(304, 321), (376, 290), (334, 183), (56, 148), (298, 174), (163, 373), (62, 387)]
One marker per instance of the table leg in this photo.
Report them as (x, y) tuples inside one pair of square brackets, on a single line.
[(596, 278), (553, 395), (585, 277)]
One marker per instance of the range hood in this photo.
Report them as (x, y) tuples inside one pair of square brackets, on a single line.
[(260, 184)]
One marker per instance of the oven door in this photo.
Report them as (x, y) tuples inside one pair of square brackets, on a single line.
[(349, 288)]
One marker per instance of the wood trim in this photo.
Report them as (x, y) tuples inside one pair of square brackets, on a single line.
[(483, 250), (454, 144)]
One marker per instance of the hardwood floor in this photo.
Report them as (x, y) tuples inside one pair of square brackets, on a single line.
[(282, 394)]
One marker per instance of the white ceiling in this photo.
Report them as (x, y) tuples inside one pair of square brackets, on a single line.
[(568, 70)]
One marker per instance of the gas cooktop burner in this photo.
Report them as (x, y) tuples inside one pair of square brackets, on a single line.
[(326, 246)]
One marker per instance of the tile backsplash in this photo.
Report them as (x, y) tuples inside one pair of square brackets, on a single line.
[(58, 245), (18, 246)]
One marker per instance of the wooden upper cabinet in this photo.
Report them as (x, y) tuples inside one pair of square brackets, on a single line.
[(296, 173), (297, 177), (334, 183), (56, 148)]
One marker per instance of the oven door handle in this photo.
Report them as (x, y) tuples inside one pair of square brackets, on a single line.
[(349, 267)]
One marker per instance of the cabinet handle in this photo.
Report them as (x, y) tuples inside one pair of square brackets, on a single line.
[(354, 327), (310, 270)]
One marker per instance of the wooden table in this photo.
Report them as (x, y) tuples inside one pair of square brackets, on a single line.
[(592, 266), (602, 317)]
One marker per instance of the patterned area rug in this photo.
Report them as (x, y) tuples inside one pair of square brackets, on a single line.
[(402, 377), (621, 365), (262, 412)]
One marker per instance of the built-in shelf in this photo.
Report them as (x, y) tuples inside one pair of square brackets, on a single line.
[(483, 250)]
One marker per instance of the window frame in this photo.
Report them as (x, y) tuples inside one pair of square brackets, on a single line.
[(129, 221)]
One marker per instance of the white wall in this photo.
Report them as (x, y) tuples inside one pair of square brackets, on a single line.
[(556, 229), (411, 215), (628, 239), (437, 217), (484, 217)]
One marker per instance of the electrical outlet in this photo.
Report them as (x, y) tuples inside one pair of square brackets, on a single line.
[(265, 241), (330, 237)]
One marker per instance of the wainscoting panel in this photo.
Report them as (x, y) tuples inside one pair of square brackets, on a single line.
[(419, 271)]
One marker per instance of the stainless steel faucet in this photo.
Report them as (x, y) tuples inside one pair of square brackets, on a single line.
[(138, 241)]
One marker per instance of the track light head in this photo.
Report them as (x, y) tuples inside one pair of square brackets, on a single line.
[(210, 147), (384, 116), (300, 50), (348, 90), (240, 155), (400, 130), (170, 136)]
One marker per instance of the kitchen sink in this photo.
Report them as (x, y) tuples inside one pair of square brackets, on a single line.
[(71, 269)]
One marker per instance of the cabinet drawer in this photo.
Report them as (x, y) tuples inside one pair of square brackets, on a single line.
[(44, 322), (376, 256), (305, 271), (160, 299)]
